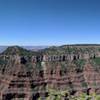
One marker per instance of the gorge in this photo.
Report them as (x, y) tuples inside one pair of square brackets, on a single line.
[(30, 74)]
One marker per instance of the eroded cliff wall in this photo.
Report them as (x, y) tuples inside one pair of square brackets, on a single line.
[(30, 75)]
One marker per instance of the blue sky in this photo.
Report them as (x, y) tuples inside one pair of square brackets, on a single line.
[(49, 22)]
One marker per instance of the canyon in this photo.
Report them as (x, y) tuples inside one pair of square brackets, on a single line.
[(30, 74)]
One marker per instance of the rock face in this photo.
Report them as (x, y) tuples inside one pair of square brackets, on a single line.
[(29, 75)]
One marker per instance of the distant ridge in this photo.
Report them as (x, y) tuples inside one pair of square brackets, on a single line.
[(2, 48), (33, 48), (36, 48)]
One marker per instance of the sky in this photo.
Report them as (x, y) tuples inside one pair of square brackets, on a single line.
[(49, 22)]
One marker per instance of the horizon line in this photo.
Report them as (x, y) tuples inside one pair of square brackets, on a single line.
[(55, 44)]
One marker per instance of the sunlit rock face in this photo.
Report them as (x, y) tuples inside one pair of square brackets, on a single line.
[(29, 75)]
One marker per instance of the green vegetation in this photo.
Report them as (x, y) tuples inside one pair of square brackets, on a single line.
[(84, 84), (59, 50), (16, 50), (38, 66), (2, 62), (80, 63), (29, 66), (97, 60), (65, 95)]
